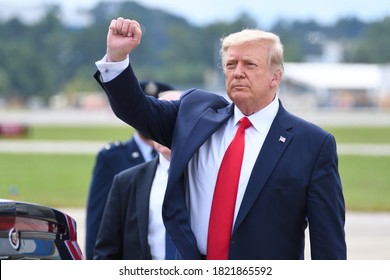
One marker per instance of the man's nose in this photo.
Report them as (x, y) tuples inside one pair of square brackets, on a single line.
[(239, 71)]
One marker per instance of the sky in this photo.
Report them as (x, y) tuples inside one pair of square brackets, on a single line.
[(201, 12)]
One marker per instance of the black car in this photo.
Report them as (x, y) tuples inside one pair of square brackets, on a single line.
[(32, 231)]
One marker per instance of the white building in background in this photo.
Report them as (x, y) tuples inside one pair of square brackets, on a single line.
[(336, 85)]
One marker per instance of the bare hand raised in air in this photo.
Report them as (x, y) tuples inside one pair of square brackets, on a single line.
[(124, 35)]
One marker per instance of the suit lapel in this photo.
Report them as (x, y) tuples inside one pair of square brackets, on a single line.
[(276, 142), (142, 200), (206, 125)]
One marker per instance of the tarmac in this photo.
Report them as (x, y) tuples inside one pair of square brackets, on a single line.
[(367, 234)]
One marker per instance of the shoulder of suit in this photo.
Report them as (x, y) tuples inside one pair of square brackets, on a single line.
[(139, 167), (201, 95)]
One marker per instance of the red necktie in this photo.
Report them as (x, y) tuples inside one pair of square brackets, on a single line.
[(224, 199)]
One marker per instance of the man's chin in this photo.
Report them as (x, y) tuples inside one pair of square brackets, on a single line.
[(238, 95)]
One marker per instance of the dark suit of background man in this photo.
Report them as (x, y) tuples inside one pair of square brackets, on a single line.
[(112, 159), (132, 227), (289, 176)]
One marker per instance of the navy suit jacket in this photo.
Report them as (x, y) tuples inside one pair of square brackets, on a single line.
[(294, 182), (123, 234), (111, 160)]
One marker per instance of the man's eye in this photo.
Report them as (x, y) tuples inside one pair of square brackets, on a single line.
[(230, 66)]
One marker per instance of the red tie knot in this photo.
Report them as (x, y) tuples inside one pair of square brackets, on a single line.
[(245, 123)]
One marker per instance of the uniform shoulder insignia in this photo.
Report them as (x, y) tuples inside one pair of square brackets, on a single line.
[(114, 144)]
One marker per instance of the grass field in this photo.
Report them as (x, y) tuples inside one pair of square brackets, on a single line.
[(91, 133), (366, 182), (109, 133), (55, 180), (361, 134), (62, 180)]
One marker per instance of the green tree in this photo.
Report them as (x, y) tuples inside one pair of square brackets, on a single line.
[(372, 46), (47, 57)]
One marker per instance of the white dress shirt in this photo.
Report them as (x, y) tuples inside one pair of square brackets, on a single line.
[(203, 167), (110, 70), (156, 229)]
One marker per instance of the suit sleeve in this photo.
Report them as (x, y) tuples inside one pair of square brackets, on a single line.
[(109, 238), (142, 112), (326, 207)]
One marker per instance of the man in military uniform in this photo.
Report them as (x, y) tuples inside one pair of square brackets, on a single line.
[(112, 159)]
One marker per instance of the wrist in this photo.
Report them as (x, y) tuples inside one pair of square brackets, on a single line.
[(115, 57)]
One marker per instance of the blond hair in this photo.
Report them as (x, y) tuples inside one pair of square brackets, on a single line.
[(255, 35)]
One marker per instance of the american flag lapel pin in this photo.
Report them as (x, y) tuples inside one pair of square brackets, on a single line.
[(282, 139)]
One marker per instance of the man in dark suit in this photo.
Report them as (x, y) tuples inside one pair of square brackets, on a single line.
[(112, 159), (289, 175), (132, 227)]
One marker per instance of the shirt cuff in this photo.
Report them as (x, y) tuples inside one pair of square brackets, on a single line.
[(110, 70)]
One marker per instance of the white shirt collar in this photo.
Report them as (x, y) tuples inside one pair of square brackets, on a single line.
[(262, 119), (164, 163)]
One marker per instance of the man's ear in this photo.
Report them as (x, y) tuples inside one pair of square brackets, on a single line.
[(276, 79)]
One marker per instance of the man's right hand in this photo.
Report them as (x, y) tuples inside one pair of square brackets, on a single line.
[(124, 35)]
